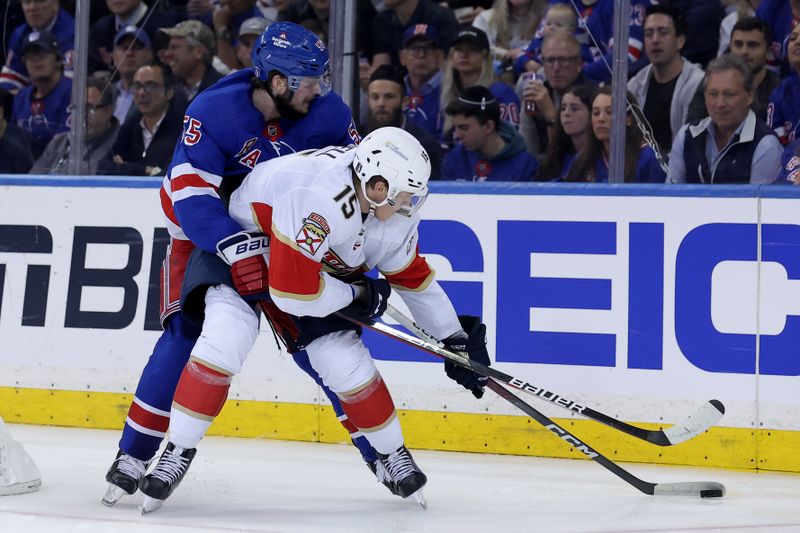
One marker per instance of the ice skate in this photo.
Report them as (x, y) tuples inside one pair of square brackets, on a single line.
[(377, 468), (405, 476), (123, 477), (165, 477)]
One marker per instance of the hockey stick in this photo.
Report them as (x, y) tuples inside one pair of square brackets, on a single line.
[(704, 489), (706, 416)]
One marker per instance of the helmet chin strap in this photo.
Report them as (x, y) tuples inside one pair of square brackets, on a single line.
[(372, 204)]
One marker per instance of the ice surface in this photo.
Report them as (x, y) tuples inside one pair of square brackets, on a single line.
[(284, 487)]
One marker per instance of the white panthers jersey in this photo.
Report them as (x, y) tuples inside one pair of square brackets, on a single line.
[(307, 204)]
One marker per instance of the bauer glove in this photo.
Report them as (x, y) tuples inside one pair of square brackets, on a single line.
[(246, 253)]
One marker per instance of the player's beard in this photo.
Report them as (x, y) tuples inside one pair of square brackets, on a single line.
[(396, 119), (285, 109)]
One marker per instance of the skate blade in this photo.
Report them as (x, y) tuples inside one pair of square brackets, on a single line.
[(420, 499), (113, 495), (151, 505)]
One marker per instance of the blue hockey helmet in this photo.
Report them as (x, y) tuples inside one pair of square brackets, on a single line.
[(295, 52)]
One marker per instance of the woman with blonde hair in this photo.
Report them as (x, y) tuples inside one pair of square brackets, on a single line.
[(468, 64)]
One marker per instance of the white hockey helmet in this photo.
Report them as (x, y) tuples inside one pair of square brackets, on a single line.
[(399, 158)]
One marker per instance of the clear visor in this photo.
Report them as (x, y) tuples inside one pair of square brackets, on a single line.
[(416, 202), (312, 83)]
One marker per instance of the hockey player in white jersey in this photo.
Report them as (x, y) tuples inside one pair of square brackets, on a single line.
[(314, 222)]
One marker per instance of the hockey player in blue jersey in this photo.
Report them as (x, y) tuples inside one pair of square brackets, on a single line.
[(281, 105)]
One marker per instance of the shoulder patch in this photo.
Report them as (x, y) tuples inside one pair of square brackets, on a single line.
[(313, 233), (320, 221)]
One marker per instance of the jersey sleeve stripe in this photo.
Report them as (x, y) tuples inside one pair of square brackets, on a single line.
[(294, 296), (416, 276), (12, 78), (190, 192), (186, 168), (166, 206), (635, 49), (190, 180)]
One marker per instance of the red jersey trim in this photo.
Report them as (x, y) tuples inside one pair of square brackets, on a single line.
[(262, 216), (292, 274), (416, 276), (167, 207), (185, 181)]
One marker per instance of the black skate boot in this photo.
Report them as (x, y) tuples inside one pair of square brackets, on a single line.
[(377, 468), (165, 477), (123, 477), (406, 477)]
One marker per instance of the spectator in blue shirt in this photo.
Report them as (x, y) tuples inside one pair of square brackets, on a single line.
[(385, 96), (591, 164), (40, 15), (422, 55), (488, 148), (42, 109)]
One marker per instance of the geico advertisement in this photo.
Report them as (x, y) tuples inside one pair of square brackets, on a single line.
[(641, 306)]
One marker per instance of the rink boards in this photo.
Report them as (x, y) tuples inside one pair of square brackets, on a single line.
[(642, 302)]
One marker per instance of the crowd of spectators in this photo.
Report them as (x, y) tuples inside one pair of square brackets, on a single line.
[(509, 90)]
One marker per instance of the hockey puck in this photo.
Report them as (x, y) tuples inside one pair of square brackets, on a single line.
[(713, 493)]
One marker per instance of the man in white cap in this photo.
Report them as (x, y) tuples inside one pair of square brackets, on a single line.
[(248, 33)]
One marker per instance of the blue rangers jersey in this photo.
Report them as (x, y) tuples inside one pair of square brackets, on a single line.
[(422, 107), (777, 14), (783, 112), (534, 50), (600, 25), (224, 137), (789, 174), (14, 76), (42, 118), (509, 102)]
